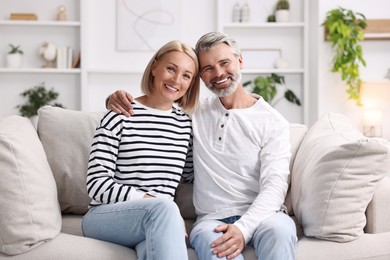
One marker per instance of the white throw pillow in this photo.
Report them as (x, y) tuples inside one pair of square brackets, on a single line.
[(297, 132), (67, 137), (29, 210), (335, 174)]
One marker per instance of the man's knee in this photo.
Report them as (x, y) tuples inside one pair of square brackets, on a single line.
[(204, 233), (278, 228)]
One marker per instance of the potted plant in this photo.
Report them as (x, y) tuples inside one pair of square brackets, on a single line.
[(266, 86), (344, 28), (282, 13), (37, 97), (14, 57)]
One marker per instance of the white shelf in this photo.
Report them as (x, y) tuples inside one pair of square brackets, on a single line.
[(268, 71), (40, 23), (114, 71), (40, 71), (372, 36), (264, 25)]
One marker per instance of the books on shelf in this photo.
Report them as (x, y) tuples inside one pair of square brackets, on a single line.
[(76, 61), (65, 59), (23, 16)]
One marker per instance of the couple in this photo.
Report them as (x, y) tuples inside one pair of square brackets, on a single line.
[(241, 155)]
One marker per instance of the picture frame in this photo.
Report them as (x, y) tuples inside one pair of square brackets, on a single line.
[(260, 58), (147, 25)]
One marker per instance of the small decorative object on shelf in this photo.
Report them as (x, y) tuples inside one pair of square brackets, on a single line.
[(48, 52), (245, 13), (14, 57), (281, 63), (265, 86), (271, 18), (61, 13), (241, 14), (282, 13), (37, 97), (23, 16), (236, 15), (76, 61)]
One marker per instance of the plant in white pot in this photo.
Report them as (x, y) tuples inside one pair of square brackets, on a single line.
[(14, 57), (282, 13)]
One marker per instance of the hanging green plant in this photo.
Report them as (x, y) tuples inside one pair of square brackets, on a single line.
[(266, 86), (345, 30)]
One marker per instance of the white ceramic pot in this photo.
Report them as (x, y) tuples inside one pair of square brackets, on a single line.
[(282, 16), (14, 60)]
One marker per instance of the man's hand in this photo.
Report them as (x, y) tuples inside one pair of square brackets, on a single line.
[(119, 102), (231, 243)]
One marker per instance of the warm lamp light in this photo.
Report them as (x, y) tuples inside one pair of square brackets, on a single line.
[(375, 96)]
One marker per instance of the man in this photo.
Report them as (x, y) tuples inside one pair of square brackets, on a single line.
[(241, 159)]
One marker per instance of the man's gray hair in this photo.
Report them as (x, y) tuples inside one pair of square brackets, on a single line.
[(209, 40)]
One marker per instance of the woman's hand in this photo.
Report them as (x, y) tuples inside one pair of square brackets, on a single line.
[(120, 102)]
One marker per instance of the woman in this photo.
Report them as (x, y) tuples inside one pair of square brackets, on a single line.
[(136, 163)]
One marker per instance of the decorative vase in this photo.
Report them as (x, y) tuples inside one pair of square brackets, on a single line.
[(14, 60), (282, 16)]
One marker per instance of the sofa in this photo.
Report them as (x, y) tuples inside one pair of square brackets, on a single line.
[(338, 194)]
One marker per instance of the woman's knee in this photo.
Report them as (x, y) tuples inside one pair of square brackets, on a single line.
[(167, 207)]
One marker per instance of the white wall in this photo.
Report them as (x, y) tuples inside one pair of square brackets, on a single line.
[(331, 95), (198, 18)]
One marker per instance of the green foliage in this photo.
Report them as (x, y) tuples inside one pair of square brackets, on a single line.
[(15, 49), (345, 31), (271, 18), (282, 5), (37, 97), (266, 86)]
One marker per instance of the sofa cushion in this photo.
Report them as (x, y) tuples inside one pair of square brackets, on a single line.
[(335, 174), (67, 136), (29, 210), (297, 132)]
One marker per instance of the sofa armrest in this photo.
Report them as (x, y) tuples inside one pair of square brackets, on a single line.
[(378, 211)]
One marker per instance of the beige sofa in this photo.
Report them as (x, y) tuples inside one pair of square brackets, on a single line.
[(336, 173)]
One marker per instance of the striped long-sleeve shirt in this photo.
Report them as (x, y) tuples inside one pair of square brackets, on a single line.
[(147, 153)]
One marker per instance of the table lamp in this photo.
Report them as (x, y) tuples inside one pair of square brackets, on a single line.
[(375, 97)]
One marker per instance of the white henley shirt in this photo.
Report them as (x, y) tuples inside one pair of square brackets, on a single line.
[(241, 159)]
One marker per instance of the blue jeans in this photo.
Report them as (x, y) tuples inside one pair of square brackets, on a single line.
[(274, 239), (153, 227)]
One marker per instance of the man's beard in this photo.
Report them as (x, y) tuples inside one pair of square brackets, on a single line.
[(236, 80)]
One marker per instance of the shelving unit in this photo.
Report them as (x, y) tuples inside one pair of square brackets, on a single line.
[(30, 35), (291, 38)]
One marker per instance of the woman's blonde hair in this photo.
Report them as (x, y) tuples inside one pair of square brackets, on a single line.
[(190, 99)]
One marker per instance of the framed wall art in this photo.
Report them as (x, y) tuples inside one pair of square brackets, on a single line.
[(146, 25)]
